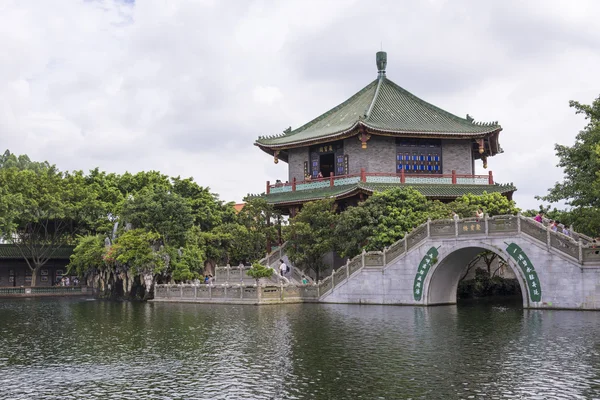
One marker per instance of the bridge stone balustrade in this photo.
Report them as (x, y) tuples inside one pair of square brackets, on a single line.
[(553, 270), (374, 259)]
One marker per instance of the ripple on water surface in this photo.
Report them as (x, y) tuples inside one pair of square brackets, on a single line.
[(75, 349)]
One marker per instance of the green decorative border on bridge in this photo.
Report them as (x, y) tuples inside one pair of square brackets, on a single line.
[(533, 282), (428, 260)]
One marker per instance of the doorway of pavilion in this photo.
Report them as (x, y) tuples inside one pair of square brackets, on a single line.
[(327, 164)]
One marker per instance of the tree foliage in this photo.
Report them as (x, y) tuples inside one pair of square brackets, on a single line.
[(580, 187), (311, 235)]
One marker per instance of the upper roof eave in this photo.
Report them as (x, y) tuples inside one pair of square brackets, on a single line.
[(375, 130)]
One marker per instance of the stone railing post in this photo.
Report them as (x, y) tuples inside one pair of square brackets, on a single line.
[(428, 231), (487, 224), (347, 268), (228, 272), (548, 241), (456, 227), (225, 290), (195, 291), (210, 291), (180, 292), (385, 256), (405, 243), (580, 255), (519, 222), (362, 257)]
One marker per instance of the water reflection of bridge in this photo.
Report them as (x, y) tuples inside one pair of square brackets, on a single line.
[(553, 270)]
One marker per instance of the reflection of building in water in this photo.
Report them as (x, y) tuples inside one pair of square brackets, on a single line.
[(382, 137)]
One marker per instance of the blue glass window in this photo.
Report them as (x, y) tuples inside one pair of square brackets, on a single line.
[(422, 157), (437, 167), (429, 157), (429, 168), (437, 158)]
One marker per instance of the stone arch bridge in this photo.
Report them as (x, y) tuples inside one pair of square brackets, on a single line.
[(424, 268)]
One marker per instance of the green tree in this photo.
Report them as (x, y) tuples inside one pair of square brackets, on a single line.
[(156, 209), (311, 235), (88, 256), (259, 271), (580, 187), (383, 219), (490, 203), (37, 213)]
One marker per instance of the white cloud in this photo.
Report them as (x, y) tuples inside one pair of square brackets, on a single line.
[(185, 87)]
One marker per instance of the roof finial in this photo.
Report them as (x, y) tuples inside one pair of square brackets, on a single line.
[(381, 59)]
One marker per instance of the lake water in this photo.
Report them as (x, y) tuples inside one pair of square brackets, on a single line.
[(90, 349)]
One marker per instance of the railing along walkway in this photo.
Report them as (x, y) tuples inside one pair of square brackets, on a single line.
[(577, 247)]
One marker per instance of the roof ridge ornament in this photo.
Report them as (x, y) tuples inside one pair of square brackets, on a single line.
[(381, 60)]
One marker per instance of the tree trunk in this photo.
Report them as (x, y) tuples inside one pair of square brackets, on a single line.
[(34, 274)]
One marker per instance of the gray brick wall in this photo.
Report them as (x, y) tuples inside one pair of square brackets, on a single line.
[(379, 156), (456, 155), (296, 158)]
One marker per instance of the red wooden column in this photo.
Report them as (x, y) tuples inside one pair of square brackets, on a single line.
[(491, 178), (454, 177), (402, 177), (363, 175), (331, 179), (268, 187), (294, 184)]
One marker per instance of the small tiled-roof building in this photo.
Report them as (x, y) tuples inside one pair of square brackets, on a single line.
[(381, 137), (14, 271)]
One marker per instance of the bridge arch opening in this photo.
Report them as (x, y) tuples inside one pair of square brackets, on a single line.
[(442, 285)]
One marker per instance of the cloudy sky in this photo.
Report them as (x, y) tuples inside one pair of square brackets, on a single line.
[(185, 87)]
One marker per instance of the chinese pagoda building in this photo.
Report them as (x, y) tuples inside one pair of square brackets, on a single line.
[(382, 137)]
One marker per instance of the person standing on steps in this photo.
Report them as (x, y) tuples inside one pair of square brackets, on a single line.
[(282, 267)]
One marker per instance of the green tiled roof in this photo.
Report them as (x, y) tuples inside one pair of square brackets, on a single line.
[(431, 191), (381, 106), (10, 251)]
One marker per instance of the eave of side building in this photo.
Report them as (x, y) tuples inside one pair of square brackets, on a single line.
[(430, 191)]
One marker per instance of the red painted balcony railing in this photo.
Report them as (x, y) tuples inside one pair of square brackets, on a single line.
[(379, 177)]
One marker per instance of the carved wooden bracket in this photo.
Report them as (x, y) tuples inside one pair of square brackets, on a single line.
[(276, 156)]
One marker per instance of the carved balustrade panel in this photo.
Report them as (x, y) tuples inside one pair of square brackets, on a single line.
[(503, 224), (591, 254), (188, 292), (309, 292), (374, 259), (471, 228), (416, 236), (564, 244), (221, 274), (325, 285), (203, 292), (234, 292), (339, 276), (291, 291), (250, 292), (443, 228), (313, 185), (160, 292), (534, 229), (355, 265), (217, 292), (174, 291), (271, 292), (394, 251), (235, 274)]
